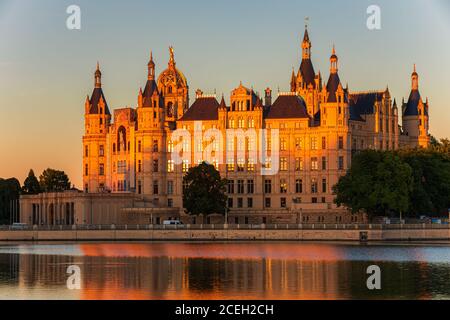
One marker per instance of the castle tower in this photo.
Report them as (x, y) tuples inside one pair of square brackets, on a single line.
[(150, 105), (335, 108), (97, 118), (173, 86), (150, 139), (306, 83), (415, 116)]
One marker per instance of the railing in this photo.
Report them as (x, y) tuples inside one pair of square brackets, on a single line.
[(313, 226)]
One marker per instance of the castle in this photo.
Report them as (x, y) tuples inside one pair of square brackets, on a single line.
[(130, 174)]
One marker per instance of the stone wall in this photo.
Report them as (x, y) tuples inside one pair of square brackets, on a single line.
[(226, 235)]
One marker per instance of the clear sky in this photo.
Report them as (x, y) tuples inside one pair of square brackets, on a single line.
[(46, 70)]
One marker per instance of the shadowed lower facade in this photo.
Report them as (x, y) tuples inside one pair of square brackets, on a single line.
[(137, 157)]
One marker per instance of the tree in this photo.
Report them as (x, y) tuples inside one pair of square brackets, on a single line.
[(205, 191), (31, 184), (9, 193), (378, 183), (431, 186), (54, 181), (441, 146)]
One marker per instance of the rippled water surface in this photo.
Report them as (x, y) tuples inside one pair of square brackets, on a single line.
[(284, 270)]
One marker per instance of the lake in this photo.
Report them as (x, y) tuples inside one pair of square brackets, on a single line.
[(247, 270)]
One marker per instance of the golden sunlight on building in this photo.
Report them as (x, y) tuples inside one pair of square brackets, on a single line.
[(131, 174)]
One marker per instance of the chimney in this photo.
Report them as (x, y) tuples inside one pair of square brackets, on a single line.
[(198, 93), (268, 97)]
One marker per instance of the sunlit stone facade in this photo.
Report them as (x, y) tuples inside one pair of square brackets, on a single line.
[(319, 126)]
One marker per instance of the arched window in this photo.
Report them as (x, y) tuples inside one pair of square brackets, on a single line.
[(169, 89)]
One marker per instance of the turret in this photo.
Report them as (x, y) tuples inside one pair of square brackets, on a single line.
[(306, 45), (415, 115), (97, 119), (173, 87)]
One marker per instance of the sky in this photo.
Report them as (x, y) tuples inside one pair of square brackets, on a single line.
[(46, 70)]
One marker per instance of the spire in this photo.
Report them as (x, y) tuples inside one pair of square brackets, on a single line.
[(306, 45), (334, 61), (293, 81), (334, 85), (151, 67), (415, 79), (172, 58), (222, 103), (395, 103), (98, 76), (97, 100), (259, 104)]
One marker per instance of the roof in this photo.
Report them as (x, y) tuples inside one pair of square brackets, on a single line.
[(150, 88), (355, 115), (365, 101), (287, 106), (307, 72), (204, 108), (317, 117), (179, 77), (332, 86), (362, 103), (94, 101), (306, 36), (412, 104)]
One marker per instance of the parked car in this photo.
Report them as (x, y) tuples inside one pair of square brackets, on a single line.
[(19, 226), (436, 221), (172, 222)]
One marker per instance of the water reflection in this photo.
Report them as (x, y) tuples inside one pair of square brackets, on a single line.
[(223, 271)]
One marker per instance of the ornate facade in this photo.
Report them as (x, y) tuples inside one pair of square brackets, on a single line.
[(320, 125)]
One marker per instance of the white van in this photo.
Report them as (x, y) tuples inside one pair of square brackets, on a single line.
[(172, 222), (18, 226)]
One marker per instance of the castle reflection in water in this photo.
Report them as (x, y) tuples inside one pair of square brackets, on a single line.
[(183, 271)]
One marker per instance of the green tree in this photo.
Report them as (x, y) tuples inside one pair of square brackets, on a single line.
[(9, 192), (442, 146), (431, 186), (205, 191), (378, 183), (54, 181), (31, 184)]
